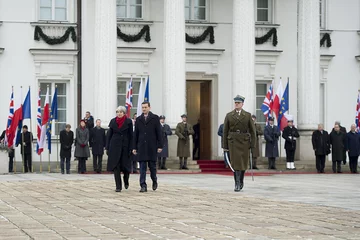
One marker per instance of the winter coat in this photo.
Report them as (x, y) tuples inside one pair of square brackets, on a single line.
[(66, 141), (271, 135), (97, 141), (290, 134), (119, 145), (166, 131), (321, 142), (353, 144), (338, 145), (183, 145), (238, 137), (26, 138), (147, 137), (81, 143)]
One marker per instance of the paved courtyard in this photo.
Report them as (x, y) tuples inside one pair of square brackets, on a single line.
[(186, 206)]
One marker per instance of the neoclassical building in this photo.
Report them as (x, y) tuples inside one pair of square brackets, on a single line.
[(198, 54)]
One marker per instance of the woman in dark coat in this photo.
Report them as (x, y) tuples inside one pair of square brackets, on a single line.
[(82, 151), (119, 146), (66, 141), (271, 135)]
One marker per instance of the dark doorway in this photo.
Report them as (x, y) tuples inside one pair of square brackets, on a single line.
[(198, 106)]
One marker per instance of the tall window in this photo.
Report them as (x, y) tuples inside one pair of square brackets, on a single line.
[(195, 10), (60, 123), (129, 9), (122, 87), (261, 90), (263, 11), (53, 10), (322, 13)]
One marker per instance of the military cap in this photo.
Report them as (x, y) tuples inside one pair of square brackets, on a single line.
[(239, 98), (290, 118), (184, 116), (162, 117), (25, 127)]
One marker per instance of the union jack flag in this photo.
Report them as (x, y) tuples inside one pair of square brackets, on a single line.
[(38, 122), (129, 99), (267, 105), (11, 115), (357, 116)]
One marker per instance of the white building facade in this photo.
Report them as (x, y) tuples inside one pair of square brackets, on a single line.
[(90, 49)]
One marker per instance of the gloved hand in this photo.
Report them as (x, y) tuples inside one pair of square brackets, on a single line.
[(82, 145)]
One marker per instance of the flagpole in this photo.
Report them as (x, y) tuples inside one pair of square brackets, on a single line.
[(277, 119), (32, 140), (40, 124), (22, 137), (48, 140)]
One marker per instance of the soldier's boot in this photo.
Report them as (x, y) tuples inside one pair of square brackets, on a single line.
[(181, 162), (287, 166), (242, 174), (117, 180), (185, 164), (237, 181), (273, 164), (269, 163)]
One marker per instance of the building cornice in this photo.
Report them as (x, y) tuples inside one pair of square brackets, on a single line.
[(53, 24), (44, 51), (199, 24), (204, 51), (134, 22), (135, 50)]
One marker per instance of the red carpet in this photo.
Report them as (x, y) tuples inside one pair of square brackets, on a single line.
[(212, 166)]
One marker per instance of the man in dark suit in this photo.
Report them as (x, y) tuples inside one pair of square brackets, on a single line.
[(25, 143), (321, 145), (89, 120), (148, 143), (97, 143), (343, 130), (66, 141), (338, 146), (353, 148)]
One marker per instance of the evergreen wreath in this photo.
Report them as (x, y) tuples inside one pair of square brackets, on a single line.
[(54, 40), (133, 38), (198, 39), (263, 39), (326, 38)]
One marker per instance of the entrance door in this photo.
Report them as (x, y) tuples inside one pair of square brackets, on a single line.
[(198, 106)]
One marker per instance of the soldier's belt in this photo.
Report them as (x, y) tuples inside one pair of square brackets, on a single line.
[(240, 132)]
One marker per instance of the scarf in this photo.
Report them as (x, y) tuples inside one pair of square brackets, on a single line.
[(120, 121)]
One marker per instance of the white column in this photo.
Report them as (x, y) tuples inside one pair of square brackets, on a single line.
[(105, 99), (174, 61), (308, 75), (308, 64), (243, 52)]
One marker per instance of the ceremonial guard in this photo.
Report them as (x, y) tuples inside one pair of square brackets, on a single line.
[(166, 131), (239, 138), (271, 135), (183, 131), (321, 145), (290, 134), (256, 152)]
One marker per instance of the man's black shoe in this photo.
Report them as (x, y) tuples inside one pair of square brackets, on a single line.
[(185, 168), (154, 186), (143, 189), (118, 190)]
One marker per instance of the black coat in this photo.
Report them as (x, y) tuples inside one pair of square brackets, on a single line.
[(28, 139), (321, 142), (196, 137), (119, 145), (166, 131), (290, 135), (147, 137), (353, 144), (89, 122), (338, 145), (97, 140), (271, 135), (66, 141)]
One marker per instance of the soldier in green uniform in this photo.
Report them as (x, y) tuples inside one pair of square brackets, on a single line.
[(239, 138)]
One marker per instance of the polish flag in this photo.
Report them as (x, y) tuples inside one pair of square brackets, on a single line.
[(129, 98), (44, 122), (277, 100), (16, 120)]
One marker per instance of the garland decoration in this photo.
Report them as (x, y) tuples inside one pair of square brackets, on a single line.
[(326, 38), (133, 38), (198, 39), (54, 40), (263, 39)]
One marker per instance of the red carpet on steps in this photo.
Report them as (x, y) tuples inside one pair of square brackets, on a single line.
[(212, 166)]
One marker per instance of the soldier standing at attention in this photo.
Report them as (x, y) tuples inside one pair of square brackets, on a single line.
[(239, 138), (183, 131)]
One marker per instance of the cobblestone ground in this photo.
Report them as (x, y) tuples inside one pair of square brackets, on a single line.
[(53, 206)]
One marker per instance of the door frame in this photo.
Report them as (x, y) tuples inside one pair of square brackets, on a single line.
[(202, 76)]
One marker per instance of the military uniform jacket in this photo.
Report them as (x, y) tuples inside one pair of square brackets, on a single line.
[(238, 137), (290, 134), (183, 145)]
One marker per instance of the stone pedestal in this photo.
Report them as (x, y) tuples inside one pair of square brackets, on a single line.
[(243, 52), (308, 75), (174, 61), (105, 61)]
